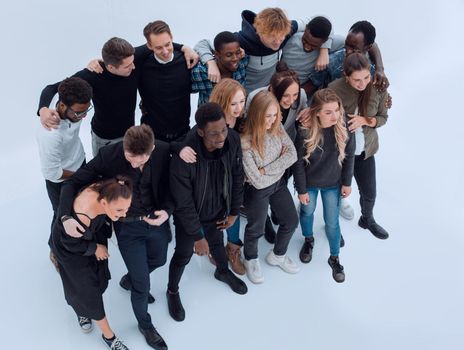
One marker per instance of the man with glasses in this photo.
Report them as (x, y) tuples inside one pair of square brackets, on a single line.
[(115, 94), (60, 150)]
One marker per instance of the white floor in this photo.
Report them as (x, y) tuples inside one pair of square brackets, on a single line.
[(403, 293)]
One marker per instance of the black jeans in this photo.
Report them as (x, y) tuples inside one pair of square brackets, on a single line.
[(364, 173), (53, 190), (143, 248), (184, 251), (256, 204)]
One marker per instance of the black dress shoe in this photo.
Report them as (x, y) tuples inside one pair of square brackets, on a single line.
[(342, 241), (125, 283), (176, 310), (235, 283), (269, 232), (370, 224), (306, 252), (153, 338)]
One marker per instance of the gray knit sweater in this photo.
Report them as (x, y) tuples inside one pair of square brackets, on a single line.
[(274, 163)]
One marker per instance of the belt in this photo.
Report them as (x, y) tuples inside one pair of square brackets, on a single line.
[(132, 219)]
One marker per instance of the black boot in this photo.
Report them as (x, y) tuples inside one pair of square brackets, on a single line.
[(306, 252), (176, 310), (153, 338), (126, 284), (370, 224), (235, 283), (337, 270), (269, 232), (342, 241)]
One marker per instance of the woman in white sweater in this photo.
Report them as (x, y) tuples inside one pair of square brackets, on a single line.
[(267, 152)]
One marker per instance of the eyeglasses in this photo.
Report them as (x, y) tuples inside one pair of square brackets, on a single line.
[(80, 115)]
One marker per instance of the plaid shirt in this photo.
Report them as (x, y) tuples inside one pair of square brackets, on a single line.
[(202, 85)]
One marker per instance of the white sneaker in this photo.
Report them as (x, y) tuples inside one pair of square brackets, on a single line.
[(283, 261), (346, 210), (253, 271)]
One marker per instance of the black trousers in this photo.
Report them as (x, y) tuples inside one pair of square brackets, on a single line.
[(184, 251), (53, 190), (256, 204), (364, 173)]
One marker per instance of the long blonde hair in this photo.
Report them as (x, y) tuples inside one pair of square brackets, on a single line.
[(255, 122), (224, 91), (313, 127)]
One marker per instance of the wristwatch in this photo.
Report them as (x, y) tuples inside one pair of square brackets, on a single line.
[(65, 217)]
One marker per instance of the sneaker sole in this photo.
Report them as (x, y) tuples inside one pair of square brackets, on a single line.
[(282, 268)]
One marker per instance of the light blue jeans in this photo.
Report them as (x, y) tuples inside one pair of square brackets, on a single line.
[(331, 208)]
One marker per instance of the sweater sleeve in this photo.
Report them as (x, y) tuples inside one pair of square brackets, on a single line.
[(299, 168), (83, 176), (204, 50), (250, 167), (47, 95), (348, 162), (182, 192), (285, 160)]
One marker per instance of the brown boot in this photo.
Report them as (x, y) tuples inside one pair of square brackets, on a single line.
[(234, 256)]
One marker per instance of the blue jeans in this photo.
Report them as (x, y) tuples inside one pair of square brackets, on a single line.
[(233, 232), (331, 207), (143, 248)]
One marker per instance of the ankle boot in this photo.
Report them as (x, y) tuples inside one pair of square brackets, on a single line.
[(235, 259)]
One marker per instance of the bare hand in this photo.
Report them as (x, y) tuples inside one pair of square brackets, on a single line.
[(49, 118), (201, 247), (303, 116), (283, 150), (356, 121), (94, 66), (380, 82), (188, 155), (262, 171), (161, 217), (304, 198), (214, 74), (191, 57), (225, 224), (388, 102), (102, 252), (345, 191), (242, 53), (322, 60), (73, 228)]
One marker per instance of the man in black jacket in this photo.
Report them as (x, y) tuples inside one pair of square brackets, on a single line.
[(143, 234), (208, 195)]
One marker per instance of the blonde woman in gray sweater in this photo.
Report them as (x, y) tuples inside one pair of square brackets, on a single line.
[(267, 152)]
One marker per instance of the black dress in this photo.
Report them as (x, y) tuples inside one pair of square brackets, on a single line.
[(84, 278)]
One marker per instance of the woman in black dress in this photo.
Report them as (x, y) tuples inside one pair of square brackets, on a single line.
[(82, 262)]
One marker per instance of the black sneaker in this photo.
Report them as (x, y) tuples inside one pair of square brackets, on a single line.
[(153, 338), (337, 269), (176, 310), (126, 284), (306, 252), (85, 323), (342, 241), (370, 224), (235, 283), (269, 232), (114, 343)]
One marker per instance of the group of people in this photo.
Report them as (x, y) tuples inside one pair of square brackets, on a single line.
[(279, 101)]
